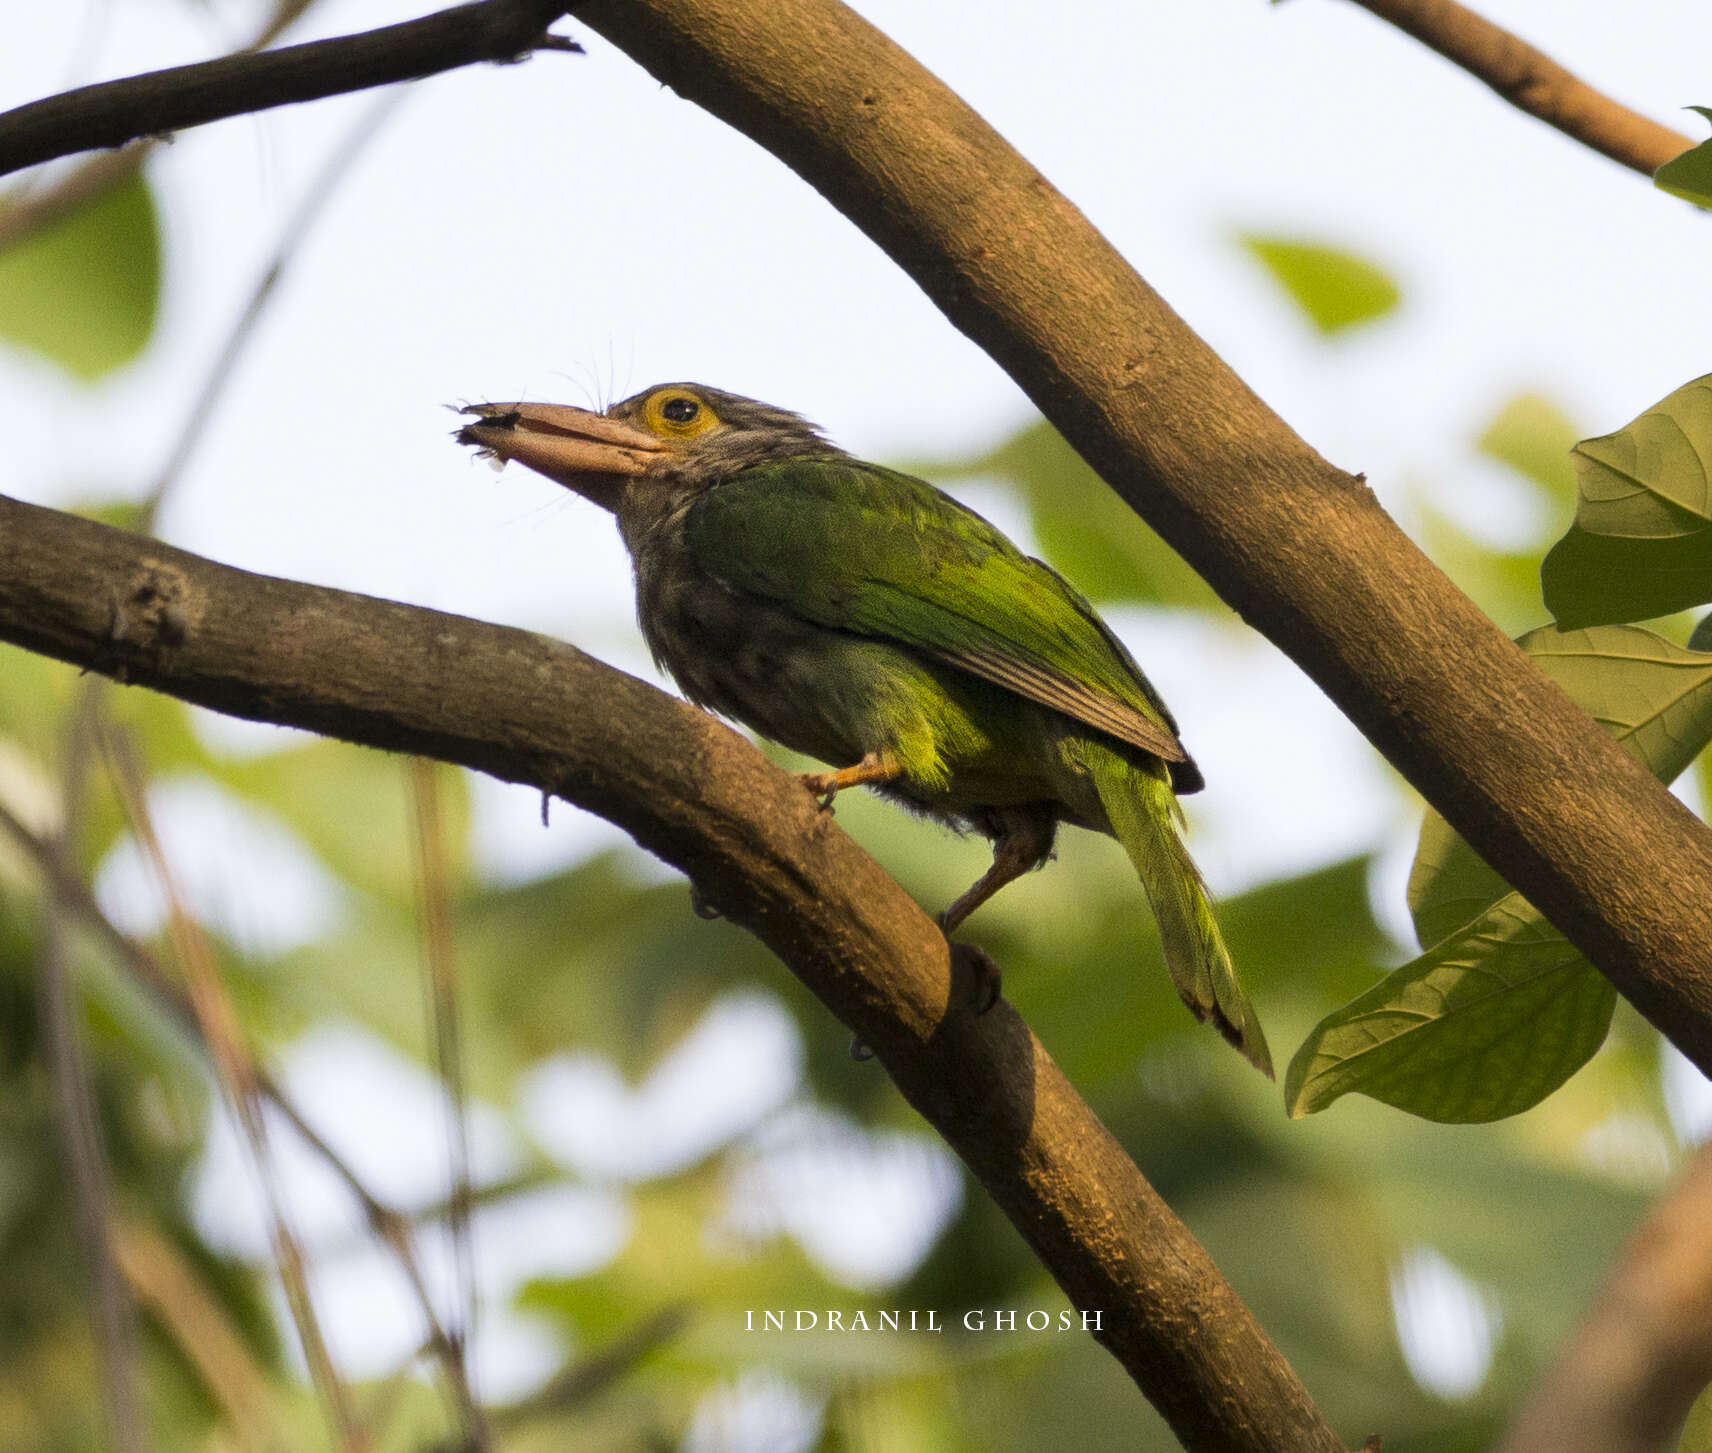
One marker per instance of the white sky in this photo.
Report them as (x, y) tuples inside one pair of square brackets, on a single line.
[(568, 225), (545, 229)]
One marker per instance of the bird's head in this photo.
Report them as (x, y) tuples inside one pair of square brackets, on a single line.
[(682, 434)]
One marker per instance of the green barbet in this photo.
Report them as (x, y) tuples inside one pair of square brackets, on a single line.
[(862, 617)]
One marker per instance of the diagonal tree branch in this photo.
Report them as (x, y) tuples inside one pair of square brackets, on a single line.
[(1627, 1377), (115, 112), (1297, 546), (527, 709), (1532, 81), (1301, 549)]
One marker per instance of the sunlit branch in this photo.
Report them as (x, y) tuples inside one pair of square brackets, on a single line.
[(1533, 82), (1626, 1378), (112, 113)]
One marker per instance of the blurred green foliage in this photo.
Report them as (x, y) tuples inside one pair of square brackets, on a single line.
[(1311, 1220), (1335, 289), (84, 290)]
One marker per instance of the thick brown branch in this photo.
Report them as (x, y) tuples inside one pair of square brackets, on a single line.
[(1533, 82), (1627, 1378), (114, 112), (527, 709), (1300, 548)]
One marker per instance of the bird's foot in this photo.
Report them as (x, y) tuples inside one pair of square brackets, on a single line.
[(860, 1052), (822, 786), (986, 980), (699, 904), (827, 785)]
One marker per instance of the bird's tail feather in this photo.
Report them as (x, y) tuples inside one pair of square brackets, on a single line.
[(1144, 815)]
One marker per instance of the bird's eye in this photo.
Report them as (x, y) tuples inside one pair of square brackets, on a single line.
[(676, 415)]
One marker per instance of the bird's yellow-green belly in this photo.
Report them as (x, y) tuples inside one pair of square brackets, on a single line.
[(962, 743)]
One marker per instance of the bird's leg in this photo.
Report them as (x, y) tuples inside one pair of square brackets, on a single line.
[(875, 767), (1022, 840)]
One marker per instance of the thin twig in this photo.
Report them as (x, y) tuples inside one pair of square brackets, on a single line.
[(320, 191), (591, 1375), (1533, 82), (28, 210), (489, 1193), (112, 113), (79, 1133), (235, 1072), (158, 1273), (393, 1228), (435, 896)]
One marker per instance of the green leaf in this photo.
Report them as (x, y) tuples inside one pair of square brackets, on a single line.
[(1654, 697), (1084, 530), (1336, 288), (1501, 1010), (1697, 1431), (83, 291), (1533, 436), (1595, 580), (1640, 481), (1689, 175), (1641, 544), (1486, 1024)]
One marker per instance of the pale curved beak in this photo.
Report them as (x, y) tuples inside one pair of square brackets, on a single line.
[(583, 451)]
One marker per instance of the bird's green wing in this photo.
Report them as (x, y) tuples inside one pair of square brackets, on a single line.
[(868, 550)]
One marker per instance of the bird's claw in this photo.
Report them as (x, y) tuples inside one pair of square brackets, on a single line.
[(860, 1052), (822, 786), (699, 904)]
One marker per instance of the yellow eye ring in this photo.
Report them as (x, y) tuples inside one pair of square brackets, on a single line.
[(675, 413)]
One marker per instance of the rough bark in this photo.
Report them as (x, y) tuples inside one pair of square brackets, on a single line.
[(1301, 549), (527, 709)]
